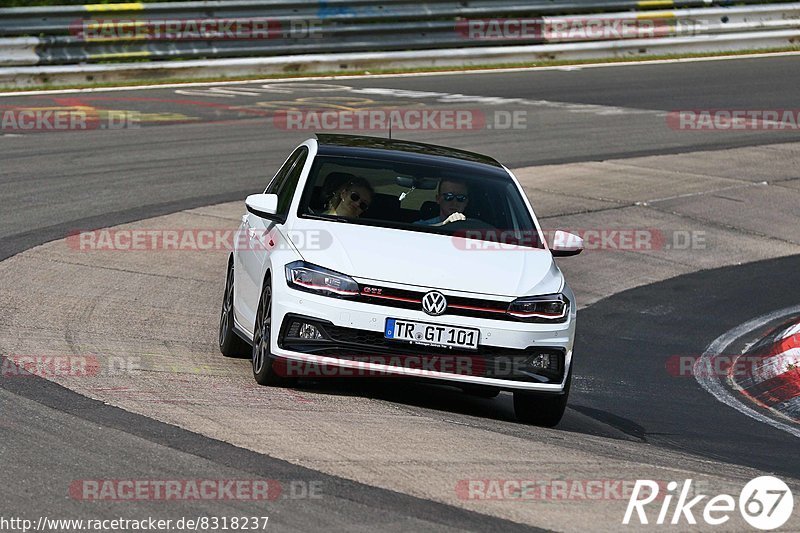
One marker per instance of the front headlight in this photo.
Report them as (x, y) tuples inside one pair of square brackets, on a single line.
[(312, 278), (547, 308)]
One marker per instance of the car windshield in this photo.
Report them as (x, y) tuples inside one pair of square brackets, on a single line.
[(464, 201)]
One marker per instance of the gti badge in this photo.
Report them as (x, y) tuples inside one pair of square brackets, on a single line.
[(434, 303)]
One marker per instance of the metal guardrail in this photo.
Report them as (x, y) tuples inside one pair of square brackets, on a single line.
[(62, 35), (98, 43), (55, 19)]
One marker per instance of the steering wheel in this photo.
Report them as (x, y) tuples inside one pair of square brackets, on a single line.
[(468, 224)]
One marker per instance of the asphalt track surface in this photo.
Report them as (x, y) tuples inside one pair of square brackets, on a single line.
[(53, 183), (631, 334)]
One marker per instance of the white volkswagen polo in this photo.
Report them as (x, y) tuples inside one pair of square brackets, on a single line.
[(371, 257)]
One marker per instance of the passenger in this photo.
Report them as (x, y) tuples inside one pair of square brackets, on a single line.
[(350, 199), (452, 196)]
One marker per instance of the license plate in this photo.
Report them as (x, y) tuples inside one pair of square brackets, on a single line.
[(431, 334)]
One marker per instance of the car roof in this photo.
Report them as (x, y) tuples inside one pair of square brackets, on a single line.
[(363, 145)]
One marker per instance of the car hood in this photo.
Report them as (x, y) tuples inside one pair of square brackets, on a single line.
[(425, 259)]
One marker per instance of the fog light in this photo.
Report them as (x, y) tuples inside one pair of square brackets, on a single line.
[(540, 361), (307, 331)]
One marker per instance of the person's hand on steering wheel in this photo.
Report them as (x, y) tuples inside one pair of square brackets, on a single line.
[(452, 218)]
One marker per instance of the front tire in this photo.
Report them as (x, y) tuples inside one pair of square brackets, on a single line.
[(230, 344), (263, 361), (542, 409)]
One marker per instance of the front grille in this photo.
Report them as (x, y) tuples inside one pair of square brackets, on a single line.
[(371, 346), (456, 305)]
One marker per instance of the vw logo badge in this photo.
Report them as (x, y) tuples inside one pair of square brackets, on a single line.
[(434, 303)]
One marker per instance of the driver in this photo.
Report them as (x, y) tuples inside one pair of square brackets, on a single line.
[(452, 196)]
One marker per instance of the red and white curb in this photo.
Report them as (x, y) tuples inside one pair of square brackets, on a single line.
[(703, 371), (774, 381)]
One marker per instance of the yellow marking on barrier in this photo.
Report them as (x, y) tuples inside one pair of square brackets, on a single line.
[(101, 39), (131, 6), (121, 55), (99, 25), (656, 15), (655, 3)]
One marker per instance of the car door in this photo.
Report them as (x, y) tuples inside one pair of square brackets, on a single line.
[(255, 236)]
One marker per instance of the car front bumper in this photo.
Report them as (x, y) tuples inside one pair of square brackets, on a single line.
[(354, 345)]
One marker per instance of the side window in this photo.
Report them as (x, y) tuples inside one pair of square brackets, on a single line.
[(286, 189), (279, 178)]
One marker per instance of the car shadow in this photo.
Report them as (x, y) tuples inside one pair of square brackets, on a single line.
[(414, 393), (422, 397)]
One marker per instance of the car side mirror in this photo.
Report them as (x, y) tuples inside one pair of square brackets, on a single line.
[(262, 205), (566, 244)]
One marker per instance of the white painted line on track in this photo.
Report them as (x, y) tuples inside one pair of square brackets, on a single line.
[(703, 368), (564, 68), (790, 407)]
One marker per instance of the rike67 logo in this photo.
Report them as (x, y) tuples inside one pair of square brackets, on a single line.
[(765, 503)]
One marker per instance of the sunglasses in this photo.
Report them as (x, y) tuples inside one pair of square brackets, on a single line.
[(449, 197), (355, 197)]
